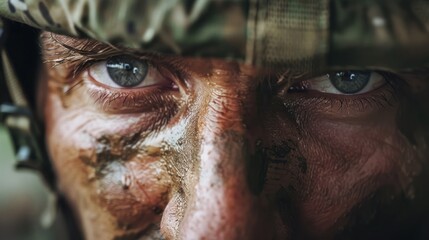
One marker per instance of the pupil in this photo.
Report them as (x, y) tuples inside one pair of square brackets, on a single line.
[(126, 71), (350, 82)]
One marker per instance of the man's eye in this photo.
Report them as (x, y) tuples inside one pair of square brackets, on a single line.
[(126, 72), (347, 82)]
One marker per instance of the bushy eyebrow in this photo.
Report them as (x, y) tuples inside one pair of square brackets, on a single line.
[(82, 46), (77, 53), (81, 53)]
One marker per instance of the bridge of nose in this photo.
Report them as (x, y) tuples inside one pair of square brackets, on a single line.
[(216, 199)]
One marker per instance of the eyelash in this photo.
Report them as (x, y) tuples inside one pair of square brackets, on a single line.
[(377, 99)]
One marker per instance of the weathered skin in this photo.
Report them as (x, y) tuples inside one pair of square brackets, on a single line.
[(227, 155)]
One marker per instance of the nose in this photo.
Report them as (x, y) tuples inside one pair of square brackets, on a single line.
[(221, 205), (217, 199)]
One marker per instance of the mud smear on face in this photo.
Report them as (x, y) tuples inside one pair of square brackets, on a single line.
[(285, 160), (110, 149), (278, 160), (128, 181), (179, 152), (285, 152), (286, 169)]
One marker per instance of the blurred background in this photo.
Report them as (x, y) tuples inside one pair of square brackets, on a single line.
[(23, 200), (23, 195)]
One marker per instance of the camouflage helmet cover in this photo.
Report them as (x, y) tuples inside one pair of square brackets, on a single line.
[(304, 34)]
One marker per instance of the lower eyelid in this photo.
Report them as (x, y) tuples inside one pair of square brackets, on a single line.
[(341, 105), (132, 100)]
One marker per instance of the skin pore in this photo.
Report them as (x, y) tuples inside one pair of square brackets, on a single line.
[(215, 149)]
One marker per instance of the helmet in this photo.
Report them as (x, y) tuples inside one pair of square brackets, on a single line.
[(320, 33)]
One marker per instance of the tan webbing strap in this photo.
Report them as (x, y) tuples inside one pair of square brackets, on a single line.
[(291, 33), (12, 82)]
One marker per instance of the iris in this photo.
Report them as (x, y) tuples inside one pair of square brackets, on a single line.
[(350, 82), (126, 71)]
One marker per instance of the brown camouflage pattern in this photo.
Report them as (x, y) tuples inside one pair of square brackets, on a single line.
[(301, 34)]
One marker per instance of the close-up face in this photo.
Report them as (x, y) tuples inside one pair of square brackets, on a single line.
[(161, 146)]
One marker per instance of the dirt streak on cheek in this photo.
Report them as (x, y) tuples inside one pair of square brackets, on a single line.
[(129, 179), (287, 167)]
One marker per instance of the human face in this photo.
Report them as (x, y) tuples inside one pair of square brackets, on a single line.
[(192, 148)]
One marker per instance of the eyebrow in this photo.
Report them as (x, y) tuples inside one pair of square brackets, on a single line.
[(90, 47), (59, 49), (79, 53)]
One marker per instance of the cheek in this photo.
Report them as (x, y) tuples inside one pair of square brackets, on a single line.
[(349, 163), (135, 193), (101, 162), (332, 166)]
